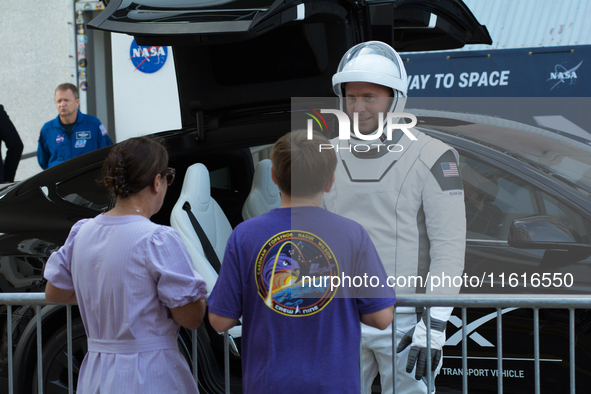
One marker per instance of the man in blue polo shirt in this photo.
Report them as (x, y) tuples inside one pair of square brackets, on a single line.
[(71, 133)]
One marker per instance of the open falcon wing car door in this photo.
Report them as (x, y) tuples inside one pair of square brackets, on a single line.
[(425, 25), (241, 61), (408, 25), (186, 22)]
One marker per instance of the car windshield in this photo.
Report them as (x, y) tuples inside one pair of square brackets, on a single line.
[(564, 156)]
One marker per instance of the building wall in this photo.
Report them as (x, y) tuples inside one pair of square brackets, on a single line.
[(533, 23), (36, 38)]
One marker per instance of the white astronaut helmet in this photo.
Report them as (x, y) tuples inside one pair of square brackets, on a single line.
[(374, 62)]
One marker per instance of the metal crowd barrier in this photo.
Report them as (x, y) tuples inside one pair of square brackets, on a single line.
[(464, 301), (534, 302), (38, 300)]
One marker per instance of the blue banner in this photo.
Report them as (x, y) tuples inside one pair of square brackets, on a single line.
[(530, 72)]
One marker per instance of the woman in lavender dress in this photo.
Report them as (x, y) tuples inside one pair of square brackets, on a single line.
[(133, 281)]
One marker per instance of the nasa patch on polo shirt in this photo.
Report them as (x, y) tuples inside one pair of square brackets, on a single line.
[(80, 144)]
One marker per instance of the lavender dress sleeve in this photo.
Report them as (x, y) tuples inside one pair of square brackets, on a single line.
[(58, 268), (170, 265)]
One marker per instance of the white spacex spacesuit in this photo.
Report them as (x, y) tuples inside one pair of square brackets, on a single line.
[(411, 203)]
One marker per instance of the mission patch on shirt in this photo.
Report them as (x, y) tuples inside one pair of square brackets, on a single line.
[(293, 271)]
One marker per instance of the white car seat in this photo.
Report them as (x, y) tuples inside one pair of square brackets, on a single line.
[(264, 194), (213, 221), (197, 192)]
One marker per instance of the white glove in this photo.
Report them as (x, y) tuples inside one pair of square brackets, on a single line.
[(417, 338)]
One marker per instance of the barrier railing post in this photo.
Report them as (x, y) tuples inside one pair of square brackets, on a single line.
[(226, 362), (464, 350), (194, 355), (571, 339), (361, 381), (537, 350), (500, 350), (428, 371), (69, 334), (9, 345), (39, 350), (394, 356)]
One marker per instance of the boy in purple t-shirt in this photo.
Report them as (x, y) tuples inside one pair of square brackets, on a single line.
[(302, 278)]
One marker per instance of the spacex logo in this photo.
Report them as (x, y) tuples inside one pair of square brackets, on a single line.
[(471, 333)]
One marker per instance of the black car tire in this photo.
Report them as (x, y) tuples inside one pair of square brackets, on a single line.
[(55, 359)]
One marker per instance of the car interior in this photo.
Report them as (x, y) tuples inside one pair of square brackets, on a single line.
[(264, 194), (201, 223)]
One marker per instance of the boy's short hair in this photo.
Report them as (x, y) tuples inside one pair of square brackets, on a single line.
[(301, 169)]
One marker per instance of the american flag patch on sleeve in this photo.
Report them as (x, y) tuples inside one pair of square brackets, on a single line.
[(103, 130), (450, 169)]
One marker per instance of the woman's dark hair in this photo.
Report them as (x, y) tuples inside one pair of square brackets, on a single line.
[(133, 164)]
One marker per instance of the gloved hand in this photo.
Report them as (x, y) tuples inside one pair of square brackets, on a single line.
[(417, 338)]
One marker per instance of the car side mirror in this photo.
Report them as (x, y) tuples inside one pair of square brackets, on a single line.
[(552, 235)]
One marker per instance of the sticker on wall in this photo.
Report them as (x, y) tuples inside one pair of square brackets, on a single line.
[(79, 17), (83, 86), (82, 38), (79, 28), (96, 6), (82, 62), (81, 74), (81, 50), (147, 59)]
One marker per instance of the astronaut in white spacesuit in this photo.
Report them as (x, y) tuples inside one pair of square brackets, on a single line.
[(410, 200)]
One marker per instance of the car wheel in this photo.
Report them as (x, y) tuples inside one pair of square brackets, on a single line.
[(55, 359)]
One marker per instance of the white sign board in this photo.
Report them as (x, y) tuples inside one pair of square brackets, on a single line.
[(145, 98)]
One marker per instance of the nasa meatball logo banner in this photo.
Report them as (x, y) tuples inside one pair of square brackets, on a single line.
[(527, 72), (563, 75), (148, 59), (291, 273)]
